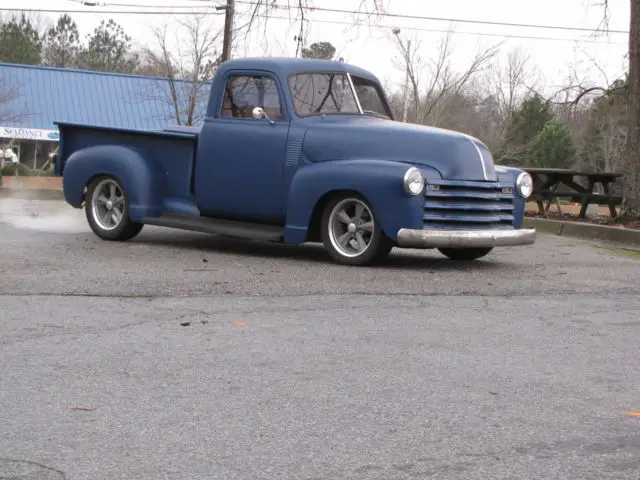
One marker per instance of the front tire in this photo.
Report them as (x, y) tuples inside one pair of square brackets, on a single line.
[(351, 233), (107, 210), (465, 254)]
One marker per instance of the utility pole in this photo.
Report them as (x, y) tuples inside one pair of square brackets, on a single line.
[(228, 29), (406, 53), (406, 84)]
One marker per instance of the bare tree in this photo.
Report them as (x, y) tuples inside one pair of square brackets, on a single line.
[(631, 209), (8, 94), (630, 87), (296, 11), (501, 90), (187, 72), (430, 98), (610, 142), (579, 90), (510, 83), (6, 97)]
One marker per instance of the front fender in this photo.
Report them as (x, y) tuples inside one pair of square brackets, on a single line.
[(144, 185), (508, 176), (379, 181)]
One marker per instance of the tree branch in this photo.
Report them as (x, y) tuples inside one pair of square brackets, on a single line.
[(262, 11)]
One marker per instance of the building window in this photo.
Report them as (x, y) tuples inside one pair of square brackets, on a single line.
[(245, 92)]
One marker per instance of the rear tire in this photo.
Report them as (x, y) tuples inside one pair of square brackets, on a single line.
[(465, 254), (107, 210), (351, 233)]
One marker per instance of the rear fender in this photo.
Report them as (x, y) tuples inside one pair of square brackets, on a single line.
[(379, 181), (144, 184)]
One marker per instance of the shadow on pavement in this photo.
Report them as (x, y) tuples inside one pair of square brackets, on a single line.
[(310, 252)]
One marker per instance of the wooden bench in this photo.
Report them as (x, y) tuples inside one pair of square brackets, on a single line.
[(546, 182)]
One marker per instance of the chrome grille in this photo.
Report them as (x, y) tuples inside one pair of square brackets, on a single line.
[(462, 205)]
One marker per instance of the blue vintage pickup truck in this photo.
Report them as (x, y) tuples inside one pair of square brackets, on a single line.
[(299, 150)]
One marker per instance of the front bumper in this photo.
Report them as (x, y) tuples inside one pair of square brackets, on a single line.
[(409, 238)]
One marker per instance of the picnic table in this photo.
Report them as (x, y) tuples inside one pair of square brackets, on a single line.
[(547, 180)]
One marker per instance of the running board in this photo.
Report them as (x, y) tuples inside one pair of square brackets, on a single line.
[(230, 228)]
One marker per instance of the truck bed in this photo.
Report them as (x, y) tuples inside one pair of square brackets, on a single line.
[(75, 136), (172, 150)]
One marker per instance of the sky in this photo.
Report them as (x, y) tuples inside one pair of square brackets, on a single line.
[(370, 43)]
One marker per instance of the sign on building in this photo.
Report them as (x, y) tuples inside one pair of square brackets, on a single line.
[(18, 133)]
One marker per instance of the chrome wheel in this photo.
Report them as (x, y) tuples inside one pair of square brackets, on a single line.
[(351, 227), (107, 204)]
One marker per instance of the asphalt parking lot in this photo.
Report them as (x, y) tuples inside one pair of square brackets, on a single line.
[(184, 356)]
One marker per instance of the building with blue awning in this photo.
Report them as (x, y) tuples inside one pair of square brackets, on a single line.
[(32, 98)]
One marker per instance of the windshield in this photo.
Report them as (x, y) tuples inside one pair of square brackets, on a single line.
[(331, 93)]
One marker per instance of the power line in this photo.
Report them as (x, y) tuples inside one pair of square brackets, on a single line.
[(90, 3), (419, 29), (111, 12), (422, 17), (380, 14), (332, 22)]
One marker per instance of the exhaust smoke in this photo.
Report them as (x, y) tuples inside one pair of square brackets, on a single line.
[(53, 216)]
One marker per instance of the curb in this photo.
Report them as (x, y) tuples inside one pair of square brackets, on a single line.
[(622, 235), (31, 193)]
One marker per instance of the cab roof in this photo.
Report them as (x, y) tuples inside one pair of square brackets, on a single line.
[(285, 66)]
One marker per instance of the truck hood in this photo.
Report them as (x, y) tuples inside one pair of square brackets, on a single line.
[(454, 155)]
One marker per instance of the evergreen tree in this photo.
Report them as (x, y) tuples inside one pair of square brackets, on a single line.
[(20, 42), (321, 50), (62, 43), (553, 146), (526, 123), (108, 49)]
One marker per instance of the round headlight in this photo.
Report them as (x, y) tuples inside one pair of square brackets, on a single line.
[(413, 181), (524, 185)]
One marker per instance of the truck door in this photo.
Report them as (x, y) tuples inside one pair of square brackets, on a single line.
[(240, 163)]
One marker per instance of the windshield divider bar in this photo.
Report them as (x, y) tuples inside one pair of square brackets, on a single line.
[(355, 95)]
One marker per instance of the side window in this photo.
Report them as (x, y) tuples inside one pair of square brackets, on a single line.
[(243, 93), (370, 96)]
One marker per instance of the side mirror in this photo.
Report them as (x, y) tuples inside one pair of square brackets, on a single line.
[(259, 114)]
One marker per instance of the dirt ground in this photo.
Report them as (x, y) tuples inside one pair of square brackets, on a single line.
[(569, 208), (570, 211)]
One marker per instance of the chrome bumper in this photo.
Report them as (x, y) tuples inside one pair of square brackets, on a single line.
[(408, 238)]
